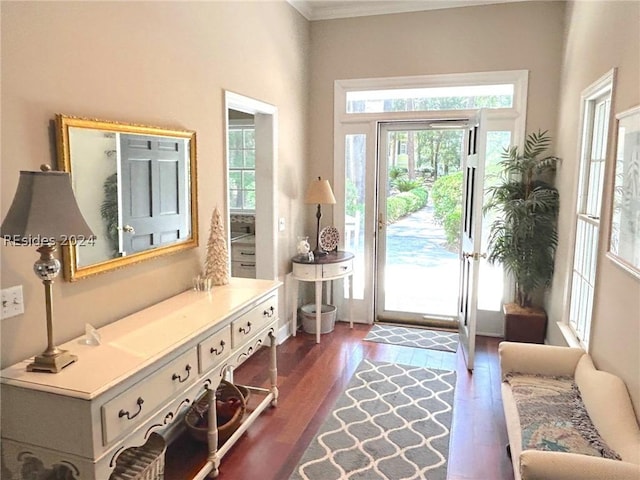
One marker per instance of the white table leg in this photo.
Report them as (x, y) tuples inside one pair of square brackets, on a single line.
[(212, 433), (273, 370), (294, 304), (318, 308), (349, 279)]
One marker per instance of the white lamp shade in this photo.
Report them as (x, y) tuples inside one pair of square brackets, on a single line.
[(44, 207), (319, 192)]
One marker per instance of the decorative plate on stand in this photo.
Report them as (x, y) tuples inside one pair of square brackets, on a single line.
[(329, 239)]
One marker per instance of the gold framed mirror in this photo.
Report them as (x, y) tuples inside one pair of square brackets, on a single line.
[(136, 187)]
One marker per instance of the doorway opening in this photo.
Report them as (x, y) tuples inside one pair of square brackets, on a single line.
[(420, 167), (362, 107), (250, 186)]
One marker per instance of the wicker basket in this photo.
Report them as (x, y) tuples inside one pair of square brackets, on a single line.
[(142, 463), (196, 417)]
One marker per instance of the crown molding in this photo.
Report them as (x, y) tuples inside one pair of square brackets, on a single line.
[(333, 9)]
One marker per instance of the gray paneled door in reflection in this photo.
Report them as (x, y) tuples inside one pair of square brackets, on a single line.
[(154, 203)]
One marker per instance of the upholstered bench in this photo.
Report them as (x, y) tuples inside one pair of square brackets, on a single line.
[(538, 383)]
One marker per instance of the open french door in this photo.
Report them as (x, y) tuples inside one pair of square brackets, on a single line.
[(355, 188), (470, 238), (417, 271)]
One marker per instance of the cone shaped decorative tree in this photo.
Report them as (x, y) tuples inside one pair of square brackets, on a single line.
[(216, 265)]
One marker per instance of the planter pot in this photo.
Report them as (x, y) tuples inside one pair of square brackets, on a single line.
[(524, 324)]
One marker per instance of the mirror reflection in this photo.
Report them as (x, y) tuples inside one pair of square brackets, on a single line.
[(135, 186), (242, 192)]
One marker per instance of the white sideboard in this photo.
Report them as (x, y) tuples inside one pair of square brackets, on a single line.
[(149, 368)]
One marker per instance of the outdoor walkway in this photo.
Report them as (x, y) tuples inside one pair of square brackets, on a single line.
[(421, 275)]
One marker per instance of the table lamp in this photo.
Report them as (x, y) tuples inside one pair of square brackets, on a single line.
[(45, 212), (319, 192)]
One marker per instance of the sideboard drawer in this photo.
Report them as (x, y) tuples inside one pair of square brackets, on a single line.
[(253, 321), (122, 413), (243, 269), (305, 271), (337, 269), (244, 253), (214, 349)]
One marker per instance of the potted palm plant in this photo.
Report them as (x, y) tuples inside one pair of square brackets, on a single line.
[(524, 237)]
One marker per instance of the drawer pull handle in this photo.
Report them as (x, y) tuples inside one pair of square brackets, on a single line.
[(344, 268), (247, 264), (179, 378), (122, 413), (246, 329), (216, 351), (269, 313), (249, 254)]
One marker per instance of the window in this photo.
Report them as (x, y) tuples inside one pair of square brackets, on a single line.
[(355, 196), (242, 165), (492, 282), (596, 105), (430, 98)]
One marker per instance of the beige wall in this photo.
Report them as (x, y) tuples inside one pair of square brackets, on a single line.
[(475, 39), (599, 37), (156, 63), (519, 36)]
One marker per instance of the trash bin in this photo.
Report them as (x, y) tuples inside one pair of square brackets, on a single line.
[(327, 318)]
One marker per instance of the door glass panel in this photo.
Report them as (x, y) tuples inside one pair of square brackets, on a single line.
[(491, 277), (355, 185), (422, 205)]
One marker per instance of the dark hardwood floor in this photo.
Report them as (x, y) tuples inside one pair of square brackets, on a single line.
[(310, 379)]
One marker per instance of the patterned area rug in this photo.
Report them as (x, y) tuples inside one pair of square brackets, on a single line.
[(391, 423), (413, 337)]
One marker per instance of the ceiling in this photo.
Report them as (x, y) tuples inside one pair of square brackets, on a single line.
[(331, 9)]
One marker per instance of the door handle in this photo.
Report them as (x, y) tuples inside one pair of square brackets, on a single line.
[(474, 255), (129, 229), (380, 222)]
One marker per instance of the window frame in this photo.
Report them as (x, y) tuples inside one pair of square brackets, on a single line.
[(242, 126), (577, 331)]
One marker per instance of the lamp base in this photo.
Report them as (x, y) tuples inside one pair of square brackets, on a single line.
[(52, 363)]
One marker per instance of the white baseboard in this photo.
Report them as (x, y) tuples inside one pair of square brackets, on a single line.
[(284, 332)]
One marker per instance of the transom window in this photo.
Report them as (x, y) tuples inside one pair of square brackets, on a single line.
[(242, 168), (430, 98)]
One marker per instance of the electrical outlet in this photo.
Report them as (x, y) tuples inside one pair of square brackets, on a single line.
[(12, 302)]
